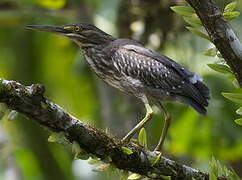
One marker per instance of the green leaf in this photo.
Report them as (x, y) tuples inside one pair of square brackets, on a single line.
[(56, 137), (75, 147), (232, 175), (52, 137), (134, 176), (94, 161), (239, 111), (127, 150), (82, 155), (12, 115), (142, 138), (217, 169), (2, 114), (228, 16), (183, 10), (238, 121), (213, 169), (193, 21), (111, 171), (3, 110), (166, 177), (236, 83), (211, 52), (157, 159), (224, 171), (231, 77), (56, 4), (212, 176), (124, 175), (220, 68), (220, 55), (198, 33), (79, 153), (230, 7), (235, 97)]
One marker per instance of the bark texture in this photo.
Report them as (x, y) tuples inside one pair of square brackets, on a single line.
[(221, 34), (30, 101)]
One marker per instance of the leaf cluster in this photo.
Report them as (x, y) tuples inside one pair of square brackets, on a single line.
[(190, 17), (216, 169)]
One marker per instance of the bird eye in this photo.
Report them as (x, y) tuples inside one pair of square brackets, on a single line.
[(77, 28)]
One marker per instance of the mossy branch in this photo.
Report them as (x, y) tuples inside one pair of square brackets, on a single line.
[(30, 101)]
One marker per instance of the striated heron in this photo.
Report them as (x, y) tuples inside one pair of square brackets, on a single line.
[(128, 66)]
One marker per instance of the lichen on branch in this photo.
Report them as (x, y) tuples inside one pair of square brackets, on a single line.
[(30, 101)]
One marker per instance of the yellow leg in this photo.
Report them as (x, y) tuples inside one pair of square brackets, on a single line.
[(148, 116), (164, 130)]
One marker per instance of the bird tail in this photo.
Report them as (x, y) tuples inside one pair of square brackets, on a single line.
[(203, 89), (198, 107), (198, 100)]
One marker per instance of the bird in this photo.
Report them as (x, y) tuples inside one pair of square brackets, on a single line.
[(130, 67)]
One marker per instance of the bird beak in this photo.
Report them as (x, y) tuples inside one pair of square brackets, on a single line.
[(52, 29)]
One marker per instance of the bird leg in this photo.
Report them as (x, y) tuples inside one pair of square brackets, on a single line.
[(164, 130), (148, 116)]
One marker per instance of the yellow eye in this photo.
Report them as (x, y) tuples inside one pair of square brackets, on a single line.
[(77, 28)]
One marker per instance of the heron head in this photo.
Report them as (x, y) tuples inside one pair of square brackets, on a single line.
[(82, 33)]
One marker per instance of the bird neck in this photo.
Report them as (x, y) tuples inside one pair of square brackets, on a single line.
[(95, 41), (90, 48), (97, 59), (93, 50)]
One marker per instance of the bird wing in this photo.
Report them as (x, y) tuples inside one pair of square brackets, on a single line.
[(145, 69), (157, 71), (169, 63)]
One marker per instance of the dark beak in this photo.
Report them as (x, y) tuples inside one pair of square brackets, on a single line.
[(53, 29)]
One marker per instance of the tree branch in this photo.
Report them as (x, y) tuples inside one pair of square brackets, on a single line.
[(30, 101), (221, 34)]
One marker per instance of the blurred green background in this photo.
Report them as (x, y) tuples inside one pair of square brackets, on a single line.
[(36, 57)]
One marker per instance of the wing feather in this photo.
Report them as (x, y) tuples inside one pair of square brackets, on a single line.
[(157, 71)]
